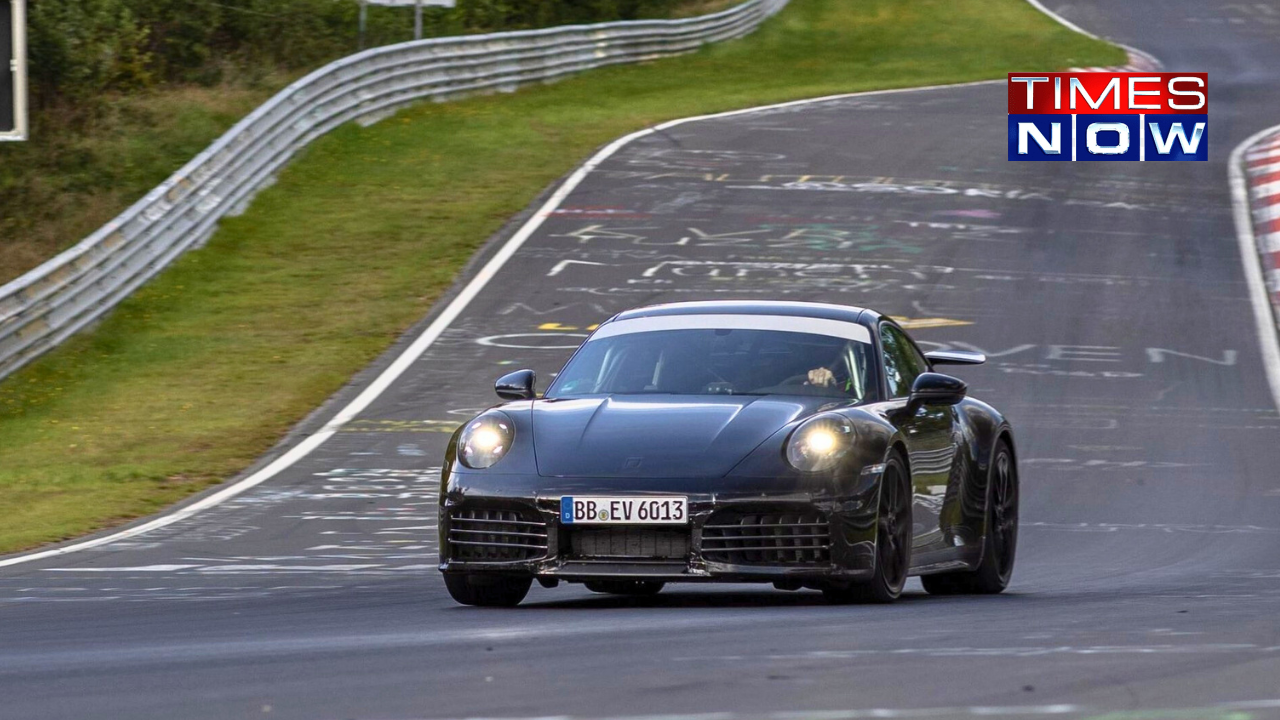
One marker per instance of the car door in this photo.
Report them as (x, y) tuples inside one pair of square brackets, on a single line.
[(928, 431)]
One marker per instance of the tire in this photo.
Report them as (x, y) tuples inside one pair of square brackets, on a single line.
[(634, 588), (487, 590), (999, 545), (893, 542)]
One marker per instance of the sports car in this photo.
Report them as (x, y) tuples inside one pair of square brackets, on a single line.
[(800, 444)]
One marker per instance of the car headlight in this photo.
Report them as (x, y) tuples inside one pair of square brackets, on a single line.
[(819, 443), (485, 440)]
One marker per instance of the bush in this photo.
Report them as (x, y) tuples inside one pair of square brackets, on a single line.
[(126, 91), (82, 48)]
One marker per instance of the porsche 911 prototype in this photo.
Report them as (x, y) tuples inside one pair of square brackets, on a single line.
[(801, 444)]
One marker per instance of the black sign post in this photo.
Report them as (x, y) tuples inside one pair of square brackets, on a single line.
[(13, 70)]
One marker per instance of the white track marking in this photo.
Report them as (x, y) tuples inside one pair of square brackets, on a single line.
[(1139, 61), (914, 713), (1061, 20), (1262, 313), (1264, 320), (1264, 154), (859, 714), (433, 331)]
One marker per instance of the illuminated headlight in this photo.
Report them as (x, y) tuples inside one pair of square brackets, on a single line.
[(819, 443), (485, 440)]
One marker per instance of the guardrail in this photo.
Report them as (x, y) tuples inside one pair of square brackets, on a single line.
[(42, 308)]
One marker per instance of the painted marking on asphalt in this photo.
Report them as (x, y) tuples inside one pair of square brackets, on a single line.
[(406, 426), (266, 568), (433, 331), (1152, 527), (995, 652), (974, 711), (135, 569), (1061, 20), (922, 323), (1234, 710), (1139, 60)]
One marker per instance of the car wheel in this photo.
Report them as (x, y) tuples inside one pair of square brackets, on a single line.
[(893, 542), (487, 590), (1000, 545), (636, 588)]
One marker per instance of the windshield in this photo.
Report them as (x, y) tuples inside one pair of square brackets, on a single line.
[(717, 361)]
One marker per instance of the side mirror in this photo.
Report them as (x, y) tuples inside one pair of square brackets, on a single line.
[(937, 389), (515, 386), (955, 357)]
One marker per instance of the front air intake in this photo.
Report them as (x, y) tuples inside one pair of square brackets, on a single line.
[(769, 537), (631, 543), (493, 535)]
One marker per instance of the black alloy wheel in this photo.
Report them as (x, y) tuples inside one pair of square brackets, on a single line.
[(999, 546), (893, 542)]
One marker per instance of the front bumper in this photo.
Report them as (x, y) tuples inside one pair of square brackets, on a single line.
[(689, 553)]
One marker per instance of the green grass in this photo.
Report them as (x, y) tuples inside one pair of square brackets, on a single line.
[(210, 364), (80, 169)]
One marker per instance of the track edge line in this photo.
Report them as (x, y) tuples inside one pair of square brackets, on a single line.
[(433, 331), (1263, 312)]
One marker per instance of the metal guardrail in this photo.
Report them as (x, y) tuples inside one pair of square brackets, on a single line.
[(42, 308)]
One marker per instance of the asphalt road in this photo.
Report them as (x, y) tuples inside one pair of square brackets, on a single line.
[(1110, 297)]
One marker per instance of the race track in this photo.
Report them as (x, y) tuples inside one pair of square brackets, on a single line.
[(1109, 296)]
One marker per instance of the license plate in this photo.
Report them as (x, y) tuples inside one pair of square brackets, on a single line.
[(624, 510)]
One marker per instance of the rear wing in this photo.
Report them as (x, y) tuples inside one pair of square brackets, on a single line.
[(955, 357)]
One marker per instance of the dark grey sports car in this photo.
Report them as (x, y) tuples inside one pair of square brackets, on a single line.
[(802, 444)]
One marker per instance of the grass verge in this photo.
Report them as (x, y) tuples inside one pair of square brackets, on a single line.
[(107, 127), (210, 364), (75, 175)]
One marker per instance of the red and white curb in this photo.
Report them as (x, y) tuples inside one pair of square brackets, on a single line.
[(1253, 171), (1262, 166), (1138, 62)]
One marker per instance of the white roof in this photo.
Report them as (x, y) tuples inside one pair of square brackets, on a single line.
[(781, 323)]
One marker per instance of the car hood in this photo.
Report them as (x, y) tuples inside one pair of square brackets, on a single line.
[(657, 436)]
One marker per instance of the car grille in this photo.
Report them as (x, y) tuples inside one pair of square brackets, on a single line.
[(629, 542), (771, 537), (496, 535)]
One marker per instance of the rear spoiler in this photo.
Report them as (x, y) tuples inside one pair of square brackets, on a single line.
[(955, 357)]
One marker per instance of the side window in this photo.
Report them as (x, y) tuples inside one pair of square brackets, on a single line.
[(902, 362)]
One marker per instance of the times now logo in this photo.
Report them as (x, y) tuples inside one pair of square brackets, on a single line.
[(1108, 116)]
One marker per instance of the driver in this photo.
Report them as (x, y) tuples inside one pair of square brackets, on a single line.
[(822, 377), (837, 373)]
